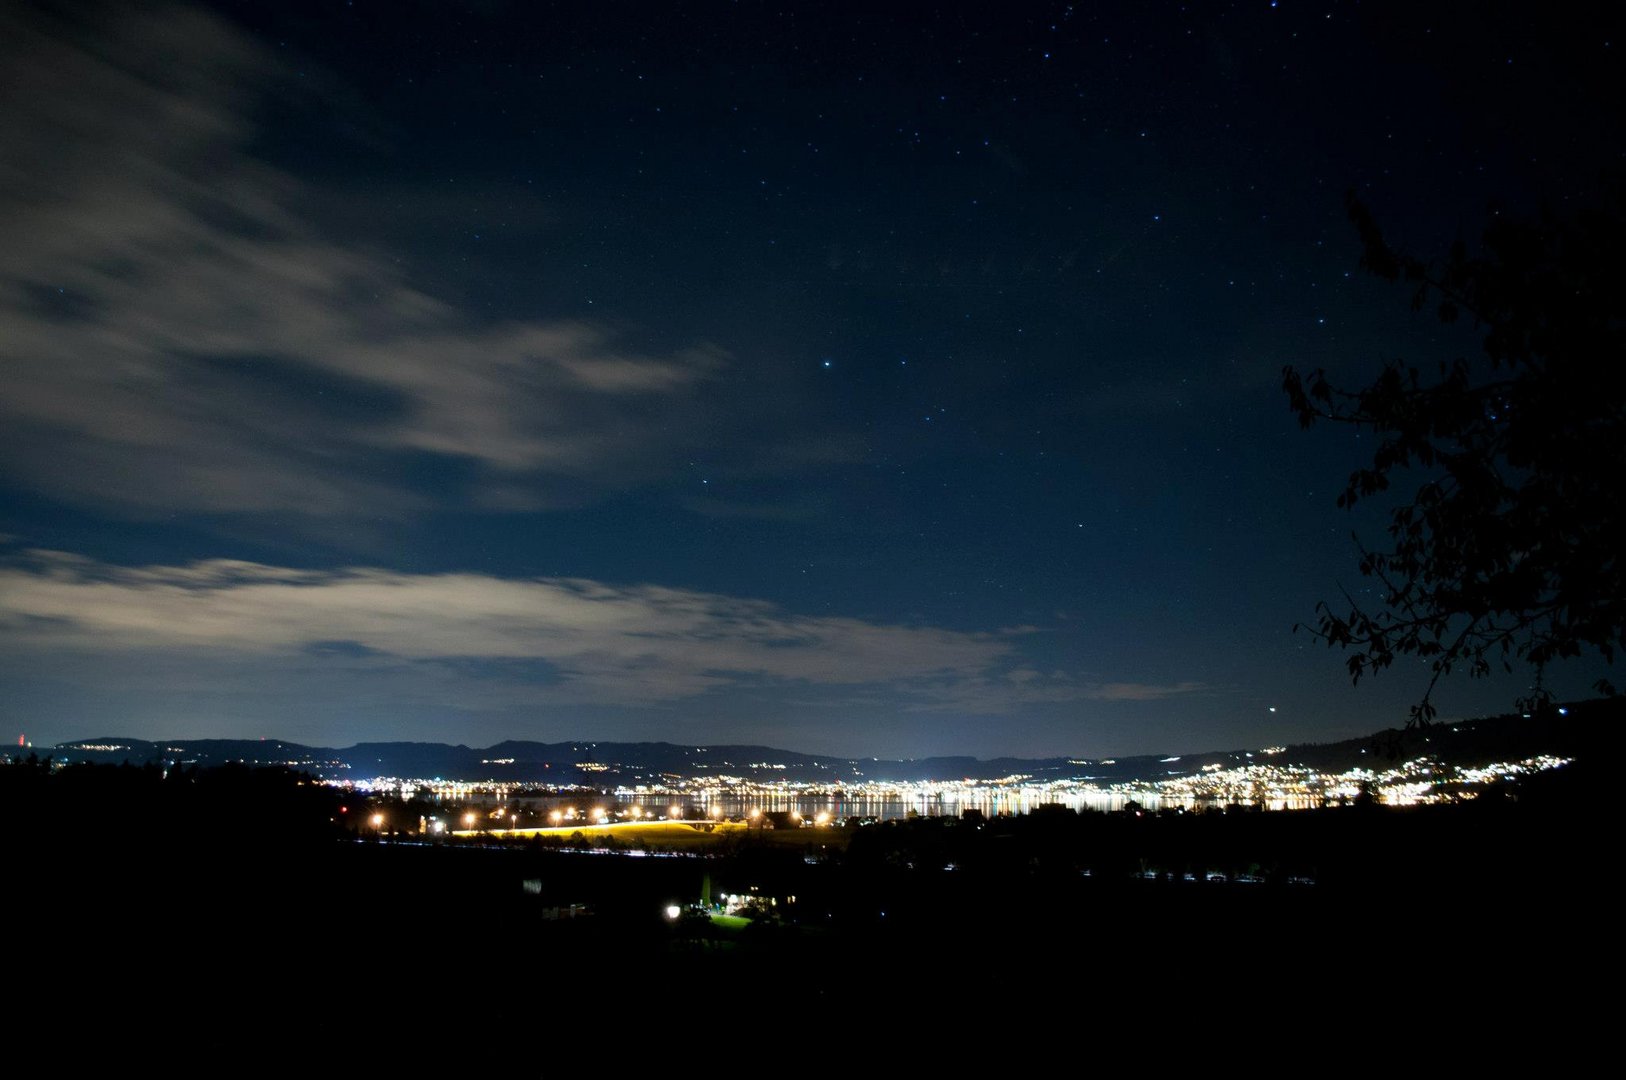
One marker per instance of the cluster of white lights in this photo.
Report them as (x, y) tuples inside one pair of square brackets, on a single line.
[(1277, 785)]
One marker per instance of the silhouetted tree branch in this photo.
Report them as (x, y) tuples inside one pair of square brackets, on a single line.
[(1508, 550)]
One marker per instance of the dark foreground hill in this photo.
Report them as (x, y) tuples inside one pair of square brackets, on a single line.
[(232, 912)]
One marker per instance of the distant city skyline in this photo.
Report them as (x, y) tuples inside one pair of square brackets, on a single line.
[(875, 382)]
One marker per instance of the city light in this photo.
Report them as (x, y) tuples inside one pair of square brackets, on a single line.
[(1262, 778)]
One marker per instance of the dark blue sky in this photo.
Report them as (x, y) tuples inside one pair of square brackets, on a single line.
[(889, 382)]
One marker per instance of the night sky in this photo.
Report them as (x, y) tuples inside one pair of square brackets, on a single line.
[(871, 379)]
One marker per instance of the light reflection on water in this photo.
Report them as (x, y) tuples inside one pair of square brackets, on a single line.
[(936, 801), (843, 805)]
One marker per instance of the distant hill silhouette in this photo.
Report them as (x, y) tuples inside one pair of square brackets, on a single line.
[(604, 764)]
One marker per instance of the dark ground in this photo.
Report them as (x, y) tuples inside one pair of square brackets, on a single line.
[(1480, 925)]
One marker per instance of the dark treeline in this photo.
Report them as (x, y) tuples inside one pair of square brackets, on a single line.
[(86, 804)]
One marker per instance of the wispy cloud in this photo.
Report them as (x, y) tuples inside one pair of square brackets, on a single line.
[(998, 690), (1129, 691), (546, 640), (176, 337), (594, 642)]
